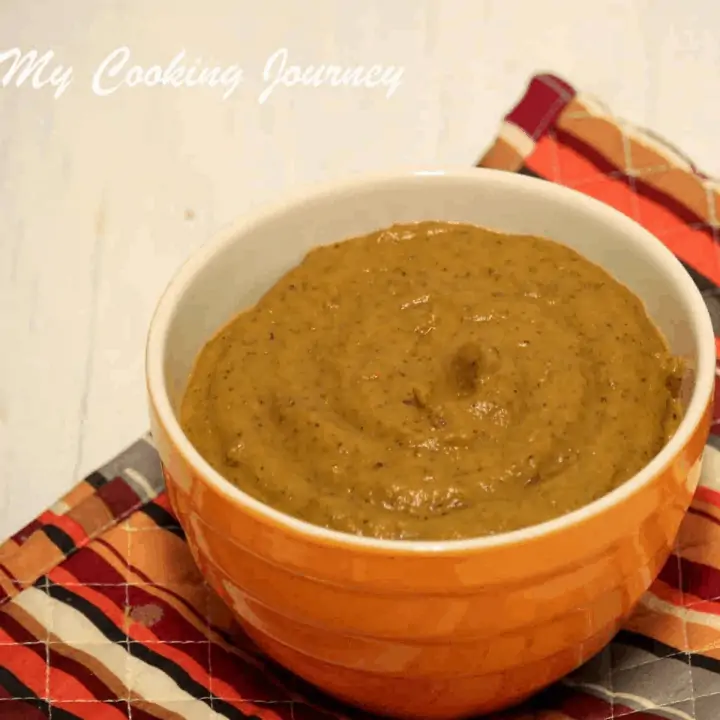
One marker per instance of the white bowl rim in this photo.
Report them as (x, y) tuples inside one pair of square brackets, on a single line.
[(165, 310)]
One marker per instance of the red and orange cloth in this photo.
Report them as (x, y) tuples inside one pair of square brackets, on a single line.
[(103, 614)]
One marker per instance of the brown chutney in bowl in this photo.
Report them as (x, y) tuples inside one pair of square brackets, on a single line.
[(435, 380)]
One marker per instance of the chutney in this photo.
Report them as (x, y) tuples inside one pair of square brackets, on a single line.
[(434, 381)]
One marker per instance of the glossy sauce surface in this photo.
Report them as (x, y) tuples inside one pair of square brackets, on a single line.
[(434, 381)]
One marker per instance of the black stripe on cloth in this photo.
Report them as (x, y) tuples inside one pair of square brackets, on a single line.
[(661, 650), (162, 518), (706, 663), (705, 515), (704, 284), (60, 539), (525, 170), (96, 480), (643, 642), (677, 208), (40, 582), (18, 689), (137, 649)]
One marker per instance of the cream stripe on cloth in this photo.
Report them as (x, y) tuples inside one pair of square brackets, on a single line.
[(140, 679)]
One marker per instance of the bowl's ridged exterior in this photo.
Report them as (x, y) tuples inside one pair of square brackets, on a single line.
[(432, 635)]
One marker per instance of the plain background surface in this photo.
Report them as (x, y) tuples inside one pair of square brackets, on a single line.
[(101, 199)]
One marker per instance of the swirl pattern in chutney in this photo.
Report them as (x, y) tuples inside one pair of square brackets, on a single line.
[(435, 381)]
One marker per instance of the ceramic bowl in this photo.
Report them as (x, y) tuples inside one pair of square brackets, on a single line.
[(428, 629)]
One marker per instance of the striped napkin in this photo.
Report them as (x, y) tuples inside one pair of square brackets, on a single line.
[(103, 614)]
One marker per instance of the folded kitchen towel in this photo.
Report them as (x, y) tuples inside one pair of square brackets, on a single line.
[(103, 614)]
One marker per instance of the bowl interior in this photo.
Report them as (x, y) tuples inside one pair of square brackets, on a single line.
[(232, 274)]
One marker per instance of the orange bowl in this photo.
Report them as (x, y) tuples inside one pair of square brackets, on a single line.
[(428, 629)]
